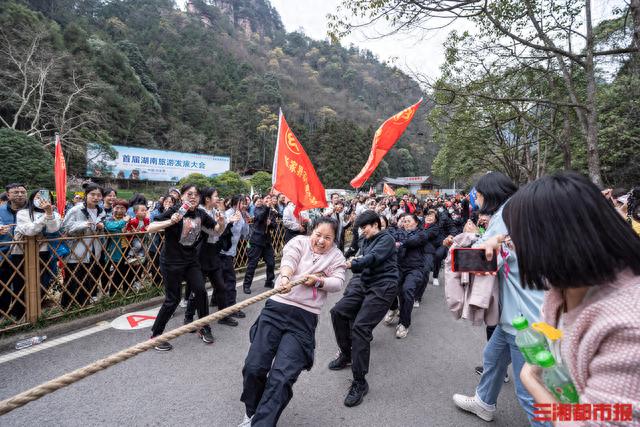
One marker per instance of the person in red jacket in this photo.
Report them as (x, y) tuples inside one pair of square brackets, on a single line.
[(136, 224)]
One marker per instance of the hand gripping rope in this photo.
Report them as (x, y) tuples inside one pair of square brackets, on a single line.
[(41, 390)]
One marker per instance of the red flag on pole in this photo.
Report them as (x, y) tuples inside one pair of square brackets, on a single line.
[(385, 138), (388, 190), (293, 172), (60, 171)]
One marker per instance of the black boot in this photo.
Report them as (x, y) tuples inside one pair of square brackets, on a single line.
[(359, 388), (246, 289)]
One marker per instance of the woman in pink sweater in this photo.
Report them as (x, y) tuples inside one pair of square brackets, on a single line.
[(573, 243), (283, 336)]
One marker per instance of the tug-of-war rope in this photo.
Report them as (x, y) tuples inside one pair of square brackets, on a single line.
[(41, 390)]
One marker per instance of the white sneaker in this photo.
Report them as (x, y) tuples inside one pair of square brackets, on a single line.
[(390, 317), (416, 304), (435, 282), (183, 303), (471, 404), (401, 331), (246, 421)]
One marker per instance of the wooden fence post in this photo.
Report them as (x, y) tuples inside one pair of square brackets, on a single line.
[(32, 279)]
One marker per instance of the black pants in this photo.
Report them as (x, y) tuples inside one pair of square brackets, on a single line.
[(256, 252), (229, 277), (81, 281), (282, 345), (173, 275), (14, 306), (122, 277), (356, 315), (218, 292), (440, 255), (428, 268), (410, 281)]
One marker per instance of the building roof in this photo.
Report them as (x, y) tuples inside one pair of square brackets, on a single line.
[(408, 180)]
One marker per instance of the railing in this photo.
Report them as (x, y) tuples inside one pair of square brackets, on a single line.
[(45, 279)]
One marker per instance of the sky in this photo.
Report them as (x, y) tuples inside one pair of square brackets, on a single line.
[(422, 54)]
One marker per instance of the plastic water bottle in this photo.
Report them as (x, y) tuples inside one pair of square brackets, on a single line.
[(528, 341), (184, 208), (556, 378), (30, 342)]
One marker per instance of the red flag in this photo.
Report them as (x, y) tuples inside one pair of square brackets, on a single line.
[(293, 173), (385, 138), (388, 190), (60, 171)]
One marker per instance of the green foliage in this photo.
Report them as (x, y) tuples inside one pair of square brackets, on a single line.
[(261, 182), (24, 160), (229, 184), (198, 179), (401, 191)]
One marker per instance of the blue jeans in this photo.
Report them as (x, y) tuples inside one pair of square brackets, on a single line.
[(498, 353)]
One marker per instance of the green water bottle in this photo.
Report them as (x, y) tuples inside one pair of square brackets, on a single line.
[(529, 342), (556, 378)]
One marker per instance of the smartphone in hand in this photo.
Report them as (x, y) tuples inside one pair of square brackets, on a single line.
[(471, 260)]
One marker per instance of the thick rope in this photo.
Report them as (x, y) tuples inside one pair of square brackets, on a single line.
[(65, 380)]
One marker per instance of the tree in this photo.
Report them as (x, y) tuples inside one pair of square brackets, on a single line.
[(401, 191), (24, 160), (525, 33), (229, 184), (261, 182), (200, 180)]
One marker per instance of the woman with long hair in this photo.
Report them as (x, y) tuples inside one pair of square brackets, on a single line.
[(590, 268), (82, 267)]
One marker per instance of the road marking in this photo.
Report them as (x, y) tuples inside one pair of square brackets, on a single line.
[(77, 335)]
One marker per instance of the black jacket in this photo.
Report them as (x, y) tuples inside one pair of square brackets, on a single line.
[(379, 262), (434, 237), (178, 249), (411, 252), (264, 219)]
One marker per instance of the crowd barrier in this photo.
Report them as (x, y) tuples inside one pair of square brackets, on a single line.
[(43, 279)]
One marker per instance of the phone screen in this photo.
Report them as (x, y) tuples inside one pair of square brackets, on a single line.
[(473, 261), (45, 195)]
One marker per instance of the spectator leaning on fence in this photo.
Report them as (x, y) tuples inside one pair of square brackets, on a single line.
[(37, 219), (17, 199), (82, 271), (119, 270)]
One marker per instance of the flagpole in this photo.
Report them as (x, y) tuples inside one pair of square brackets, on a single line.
[(274, 170)]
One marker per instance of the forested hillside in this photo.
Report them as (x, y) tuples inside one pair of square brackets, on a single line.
[(210, 80)]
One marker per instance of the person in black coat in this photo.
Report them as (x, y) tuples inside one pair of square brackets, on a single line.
[(364, 305), (411, 243), (260, 246)]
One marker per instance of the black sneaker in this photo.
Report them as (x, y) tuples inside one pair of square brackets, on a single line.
[(268, 285), (340, 362), (163, 346), (246, 289), (239, 314), (359, 388), (206, 335), (479, 370), (186, 322), (229, 321)]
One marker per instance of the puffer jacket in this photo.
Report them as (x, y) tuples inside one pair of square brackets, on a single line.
[(76, 223), (411, 252)]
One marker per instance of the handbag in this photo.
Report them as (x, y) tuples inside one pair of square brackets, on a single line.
[(58, 248)]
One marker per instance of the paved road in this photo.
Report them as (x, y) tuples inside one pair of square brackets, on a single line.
[(411, 380)]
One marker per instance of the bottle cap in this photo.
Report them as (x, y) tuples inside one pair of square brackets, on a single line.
[(520, 323), (547, 330), (545, 359)]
